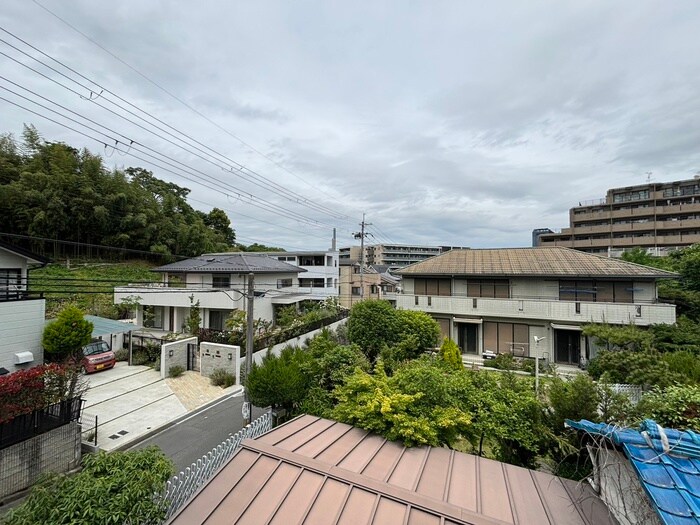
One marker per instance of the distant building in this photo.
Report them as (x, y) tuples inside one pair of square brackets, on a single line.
[(321, 272), (536, 234), (376, 279), (657, 216), (392, 255)]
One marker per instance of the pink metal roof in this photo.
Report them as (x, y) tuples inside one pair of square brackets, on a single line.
[(317, 471)]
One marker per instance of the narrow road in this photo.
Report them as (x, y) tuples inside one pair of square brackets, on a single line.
[(190, 439)]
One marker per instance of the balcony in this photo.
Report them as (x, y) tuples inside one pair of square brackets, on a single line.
[(642, 314)]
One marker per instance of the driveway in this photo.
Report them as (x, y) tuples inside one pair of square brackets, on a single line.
[(133, 402)]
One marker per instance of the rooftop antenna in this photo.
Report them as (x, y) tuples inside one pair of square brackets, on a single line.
[(649, 176)]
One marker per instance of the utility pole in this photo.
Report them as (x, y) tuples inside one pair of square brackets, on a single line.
[(361, 235), (250, 297)]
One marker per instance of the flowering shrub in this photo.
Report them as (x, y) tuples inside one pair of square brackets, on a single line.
[(24, 391)]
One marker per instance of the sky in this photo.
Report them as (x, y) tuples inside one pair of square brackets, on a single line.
[(446, 122)]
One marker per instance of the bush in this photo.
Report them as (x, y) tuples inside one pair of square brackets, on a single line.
[(575, 399), (156, 365), (222, 378), (280, 381), (115, 487), (176, 371), (122, 354), (449, 352), (646, 368), (67, 335), (373, 324), (139, 357), (675, 407)]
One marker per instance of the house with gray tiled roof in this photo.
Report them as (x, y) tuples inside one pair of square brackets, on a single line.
[(532, 301), (218, 281)]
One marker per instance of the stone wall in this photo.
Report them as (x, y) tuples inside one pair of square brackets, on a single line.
[(22, 464), (179, 355), (213, 355)]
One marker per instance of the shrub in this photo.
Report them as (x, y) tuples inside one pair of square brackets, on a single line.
[(67, 335), (139, 357), (420, 326), (373, 324), (156, 365), (449, 352), (575, 399), (280, 381), (122, 354), (675, 407), (221, 377), (115, 487), (646, 368), (175, 371)]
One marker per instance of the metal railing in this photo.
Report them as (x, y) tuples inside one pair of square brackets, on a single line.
[(26, 426), (182, 486)]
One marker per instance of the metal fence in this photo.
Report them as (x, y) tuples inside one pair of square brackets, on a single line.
[(633, 392), (88, 428), (26, 426), (179, 489)]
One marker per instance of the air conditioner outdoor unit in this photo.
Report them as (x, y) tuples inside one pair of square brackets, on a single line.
[(23, 357)]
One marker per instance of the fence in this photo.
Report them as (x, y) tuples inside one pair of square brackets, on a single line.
[(26, 426), (179, 489), (88, 428), (633, 392)]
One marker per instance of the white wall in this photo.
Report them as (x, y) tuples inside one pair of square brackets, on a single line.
[(21, 329)]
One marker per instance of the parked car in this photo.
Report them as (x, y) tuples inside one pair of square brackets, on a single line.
[(97, 356)]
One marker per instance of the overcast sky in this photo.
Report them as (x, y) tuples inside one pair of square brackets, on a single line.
[(448, 123)]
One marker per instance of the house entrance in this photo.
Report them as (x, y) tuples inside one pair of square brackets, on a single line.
[(567, 347), (468, 338), (193, 357)]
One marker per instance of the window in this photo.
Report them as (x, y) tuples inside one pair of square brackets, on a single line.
[(221, 281), (329, 282), (596, 291), (11, 284), (284, 283), (432, 287), (356, 290), (312, 283), (153, 316), (217, 319), (498, 288), (329, 260), (506, 338)]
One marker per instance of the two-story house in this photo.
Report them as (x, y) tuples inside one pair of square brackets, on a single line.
[(320, 277), (532, 301), (219, 282), (21, 312), (376, 279)]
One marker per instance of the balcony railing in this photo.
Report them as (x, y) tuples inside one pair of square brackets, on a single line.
[(14, 294), (641, 313)]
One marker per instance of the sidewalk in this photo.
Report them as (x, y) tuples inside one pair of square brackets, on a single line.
[(132, 402)]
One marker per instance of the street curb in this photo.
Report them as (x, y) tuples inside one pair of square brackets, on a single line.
[(129, 444)]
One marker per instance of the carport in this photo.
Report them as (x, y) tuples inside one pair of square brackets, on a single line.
[(112, 331)]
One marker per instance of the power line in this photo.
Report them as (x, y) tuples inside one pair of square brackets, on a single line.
[(293, 196), (148, 79)]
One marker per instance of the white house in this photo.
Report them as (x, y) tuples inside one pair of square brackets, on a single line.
[(321, 276), (21, 312), (532, 301), (219, 282)]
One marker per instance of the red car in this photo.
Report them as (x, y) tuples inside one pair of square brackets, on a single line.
[(98, 356)]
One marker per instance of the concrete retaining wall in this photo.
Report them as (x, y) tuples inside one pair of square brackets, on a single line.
[(23, 463), (297, 341), (213, 355), (179, 357)]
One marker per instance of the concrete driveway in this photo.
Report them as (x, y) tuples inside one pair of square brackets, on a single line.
[(129, 401), (133, 402)]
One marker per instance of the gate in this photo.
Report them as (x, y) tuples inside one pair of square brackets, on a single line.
[(193, 357)]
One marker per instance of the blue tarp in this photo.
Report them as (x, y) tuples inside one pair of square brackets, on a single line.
[(667, 462)]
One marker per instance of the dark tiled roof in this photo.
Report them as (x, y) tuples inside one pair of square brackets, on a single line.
[(313, 470), (670, 474), (540, 261), (230, 263)]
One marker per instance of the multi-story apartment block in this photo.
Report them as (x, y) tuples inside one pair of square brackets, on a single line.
[(21, 311), (378, 283), (392, 255), (532, 301), (321, 272), (218, 281), (656, 216)]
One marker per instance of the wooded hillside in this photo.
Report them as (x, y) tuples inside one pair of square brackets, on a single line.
[(54, 191)]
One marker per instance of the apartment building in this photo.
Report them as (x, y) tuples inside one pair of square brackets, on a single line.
[(392, 255), (532, 301), (218, 281), (21, 311), (657, 216)]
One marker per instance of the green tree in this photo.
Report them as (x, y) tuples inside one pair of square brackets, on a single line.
[(575, 399), (115, 487), (626, 337), (421, 327), (194, 317), (676, 406), (65, 337), (280, 381), (373, 324), (450, 354)]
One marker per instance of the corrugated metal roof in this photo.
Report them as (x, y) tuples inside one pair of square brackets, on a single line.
[(103, 326), (230, 263), (540, 261), (313, 470), (669, 472)]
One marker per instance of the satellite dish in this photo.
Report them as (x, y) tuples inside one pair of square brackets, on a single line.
[(538, 339)]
